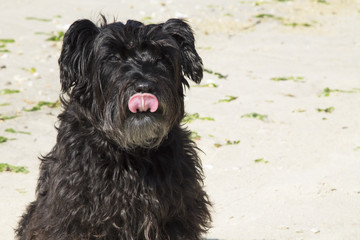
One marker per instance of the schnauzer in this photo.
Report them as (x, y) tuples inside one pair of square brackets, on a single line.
[(123, 166)]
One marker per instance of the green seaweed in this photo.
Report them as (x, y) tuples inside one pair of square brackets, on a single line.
[(11, 130), (228, 99), (4, 117), (217, 145), (30, 70), (7, 40), (209, 85), (323, 1), (284, 21), (267, 15), (295, 24), (38, 19), (147, 19), (56, 36), (43, 33), (3, 139), (299, 110), (261, 160), (327, 91), (195, 136), (8, 91), (3, 45), (21, 190), (5, 167), (282, 79), (217, 74), (326, 110), (255, 115), (40, 104), (227, 143), (195, 116)]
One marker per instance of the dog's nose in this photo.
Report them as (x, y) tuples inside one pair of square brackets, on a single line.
[(144, 87)]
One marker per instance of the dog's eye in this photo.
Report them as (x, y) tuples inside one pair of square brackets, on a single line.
[(114, 58)]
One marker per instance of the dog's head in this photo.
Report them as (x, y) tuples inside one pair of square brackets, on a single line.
[(130, 77)]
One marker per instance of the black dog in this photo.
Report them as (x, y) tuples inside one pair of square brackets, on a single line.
[(123, 167)]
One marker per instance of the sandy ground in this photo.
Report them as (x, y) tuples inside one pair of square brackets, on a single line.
[(289, 172)]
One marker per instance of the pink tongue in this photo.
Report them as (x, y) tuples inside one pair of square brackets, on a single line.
[(142, 102)]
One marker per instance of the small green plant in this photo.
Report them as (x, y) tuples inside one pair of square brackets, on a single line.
[(326, 110), (4, 104), (41, 104), (4, 117), (282, 79), (323, 1), (30, 70), (228, 99), (219, 75), (295, 24), (8, 91), (11, 130), (21, 190), (209, 85), (227, 142), (195, 136), (261, 2), (255, 115), (357, 148), (195, 116), (284, 21), (261, 160), (327, 91), (147, 19), (3, 43), (38, 19), (4, 167), (56, 36), (266, 15), (6, 40), (3, 139), (299, 110)]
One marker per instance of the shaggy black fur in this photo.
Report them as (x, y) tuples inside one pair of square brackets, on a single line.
[(115, 174)]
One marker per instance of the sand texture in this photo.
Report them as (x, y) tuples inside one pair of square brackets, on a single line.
[(276, 115)]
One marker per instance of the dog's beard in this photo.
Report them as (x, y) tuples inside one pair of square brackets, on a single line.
[(134, 130), (145, 130)]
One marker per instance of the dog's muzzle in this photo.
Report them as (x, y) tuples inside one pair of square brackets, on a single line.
[(143, 102)]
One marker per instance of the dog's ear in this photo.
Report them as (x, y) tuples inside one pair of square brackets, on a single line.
[(76, 53), (191, 62)]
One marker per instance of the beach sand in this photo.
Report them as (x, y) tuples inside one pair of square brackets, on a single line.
[(279, 108)]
